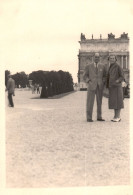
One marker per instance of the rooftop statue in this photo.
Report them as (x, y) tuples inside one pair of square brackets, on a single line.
[(82, 37), (111, 36), (124, 36)]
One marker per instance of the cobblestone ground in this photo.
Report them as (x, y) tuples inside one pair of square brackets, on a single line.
[(50, 144)]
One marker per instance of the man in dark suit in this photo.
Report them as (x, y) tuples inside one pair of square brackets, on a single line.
[(10, 88), (95, 77)]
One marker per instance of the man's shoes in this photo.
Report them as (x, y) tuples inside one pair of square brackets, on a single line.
[(100, 119), (89, 120), (116, 120)]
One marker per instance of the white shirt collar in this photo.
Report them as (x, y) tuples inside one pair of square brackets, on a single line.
[(95, 64)]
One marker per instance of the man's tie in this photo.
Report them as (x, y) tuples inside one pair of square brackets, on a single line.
[(96, 69)]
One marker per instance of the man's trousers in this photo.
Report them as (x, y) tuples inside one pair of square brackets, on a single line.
[(90, 102), (10, 99)]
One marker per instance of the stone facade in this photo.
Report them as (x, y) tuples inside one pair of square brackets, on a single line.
[(111, 45)]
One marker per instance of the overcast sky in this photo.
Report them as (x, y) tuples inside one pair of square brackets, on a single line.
[(44, 34)]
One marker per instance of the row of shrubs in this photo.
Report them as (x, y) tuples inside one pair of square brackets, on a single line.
[(56, 83), (52, 82)]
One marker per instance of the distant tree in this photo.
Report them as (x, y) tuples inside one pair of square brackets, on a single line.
[(44, 92), (49, 81), (52, 82), (20, 79), (63, 82), (37, 77), (69, 81), (7, 72), (57, 82), (24, 79)]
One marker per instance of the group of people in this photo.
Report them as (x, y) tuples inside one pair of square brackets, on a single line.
[(97, 76), (35, 88)]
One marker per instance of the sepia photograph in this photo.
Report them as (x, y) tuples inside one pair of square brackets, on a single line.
[(67, 75)]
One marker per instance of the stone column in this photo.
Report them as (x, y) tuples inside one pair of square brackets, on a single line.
[(126, 61), (78, 74), (121, 61)]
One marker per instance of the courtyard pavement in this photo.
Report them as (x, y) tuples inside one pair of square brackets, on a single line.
[(50, 144)]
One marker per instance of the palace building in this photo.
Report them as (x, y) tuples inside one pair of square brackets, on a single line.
[(111, 45)]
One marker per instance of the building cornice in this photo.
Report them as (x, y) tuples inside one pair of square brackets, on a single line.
[(104, 41)]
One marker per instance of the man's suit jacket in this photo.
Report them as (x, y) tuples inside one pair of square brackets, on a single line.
[(92, 78), (10, 85)]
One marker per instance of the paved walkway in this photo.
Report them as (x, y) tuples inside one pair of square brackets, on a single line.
[(50, 144)]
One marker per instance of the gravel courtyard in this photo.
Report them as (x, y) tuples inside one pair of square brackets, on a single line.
[(50, 144)]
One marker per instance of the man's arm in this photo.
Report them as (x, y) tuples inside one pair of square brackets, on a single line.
[(13, 88), (8, 85), (104, 74), (86, 75)]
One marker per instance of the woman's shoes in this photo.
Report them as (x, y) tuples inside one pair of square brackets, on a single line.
[(112, 119), (116, 120)]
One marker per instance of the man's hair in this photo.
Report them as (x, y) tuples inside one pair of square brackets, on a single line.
[(96, 54)]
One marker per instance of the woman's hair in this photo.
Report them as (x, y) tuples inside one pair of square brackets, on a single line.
[(112, 55)]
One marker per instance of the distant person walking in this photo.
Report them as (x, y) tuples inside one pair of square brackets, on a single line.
[(114, 83), (35, 88), (95, 77), (11, 90), (38, 89), (32, 89)]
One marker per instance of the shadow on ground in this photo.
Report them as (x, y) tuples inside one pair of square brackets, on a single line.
[(55, 96)]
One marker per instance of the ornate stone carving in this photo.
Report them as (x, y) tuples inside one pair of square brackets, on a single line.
[(89, 58), (82, 37), (111, 36), (104, 57)]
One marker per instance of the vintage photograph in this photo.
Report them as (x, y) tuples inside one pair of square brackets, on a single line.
[(67, 93)]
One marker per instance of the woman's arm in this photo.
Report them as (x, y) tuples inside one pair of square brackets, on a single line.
[(121, 75)]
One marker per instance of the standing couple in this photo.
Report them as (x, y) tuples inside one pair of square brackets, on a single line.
[(96, 76)]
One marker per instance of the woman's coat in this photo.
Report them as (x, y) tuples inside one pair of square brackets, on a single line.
[(114, 83)]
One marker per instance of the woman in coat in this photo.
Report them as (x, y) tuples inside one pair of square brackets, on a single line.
[(114, 83)]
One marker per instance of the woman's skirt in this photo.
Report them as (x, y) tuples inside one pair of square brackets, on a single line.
[(116, 98)]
